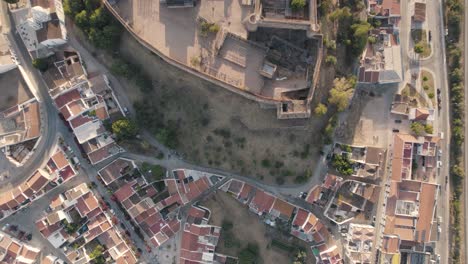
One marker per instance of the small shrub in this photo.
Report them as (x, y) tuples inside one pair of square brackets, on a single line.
[(298, 4)]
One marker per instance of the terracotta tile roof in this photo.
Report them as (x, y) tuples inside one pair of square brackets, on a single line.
[(80, 120), (125, 191), (37, 181), (426, 212), (245, 192), (419, 11), (67, 97), (115, 170), (101, 113), (102, 153), (33, 120), (285, 209), (86, 203), (60, 160), (300, 218), (262, 202)]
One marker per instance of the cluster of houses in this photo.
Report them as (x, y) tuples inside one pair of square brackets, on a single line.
[(15, 251), (153, 206), (58, 169), (381, 59), (84, 104), (410, 199), (199, 240), (82, 226), (368, 162), (301, 223), (354, 200), (40, 24), (20, 114), (84, 101)]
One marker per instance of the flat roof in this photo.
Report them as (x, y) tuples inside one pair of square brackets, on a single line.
[(14, 89)]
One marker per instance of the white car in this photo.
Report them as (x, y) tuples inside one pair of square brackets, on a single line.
[(439, 164)]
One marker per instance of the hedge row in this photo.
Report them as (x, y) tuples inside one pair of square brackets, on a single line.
[(454, 14)]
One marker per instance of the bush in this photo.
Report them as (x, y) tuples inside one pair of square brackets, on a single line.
[(298, 4), (342, 164), (342, 91), (330, 60), (419, 48), (431, 95), (320, 110), (121, 68), (124, 129), (417, 128), (429, 129), (168, 137), (266, 163), (41, 64)]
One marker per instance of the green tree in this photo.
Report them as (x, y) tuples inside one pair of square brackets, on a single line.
[(72, 7), (331, 60), (97, 254), (121, 68), (41, 64), (300, 257), (417, 128), (91, 4), (419, 48), (456, 76), (298, 4), (429, 129), (124, 128), (340, 14), (321, 109), (341, 93), (167, 136), (81, 19), (99, 18), (342, 164), (360, 33), (107, 38)]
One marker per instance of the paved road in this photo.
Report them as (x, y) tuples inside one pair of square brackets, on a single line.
[(49, 113), (436, 63)]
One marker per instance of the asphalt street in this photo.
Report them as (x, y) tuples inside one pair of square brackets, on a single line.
[(49, 113)]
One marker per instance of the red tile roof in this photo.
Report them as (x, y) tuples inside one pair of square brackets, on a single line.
[(125, 191), (262, 202), (67, 97)]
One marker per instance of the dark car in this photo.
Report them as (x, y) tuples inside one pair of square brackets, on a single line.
[(398, 121), (396, 130)]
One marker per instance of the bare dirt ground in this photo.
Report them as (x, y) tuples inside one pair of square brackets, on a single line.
[(257, 143), (366, 122), (253, 141), (247, 228)]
